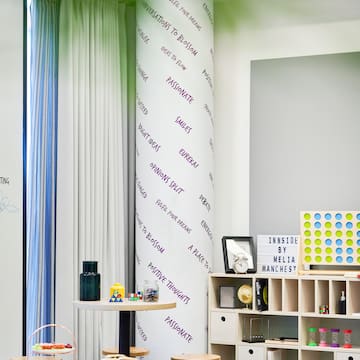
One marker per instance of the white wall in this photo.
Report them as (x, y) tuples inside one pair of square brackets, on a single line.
[(234, 51), (11, 42)]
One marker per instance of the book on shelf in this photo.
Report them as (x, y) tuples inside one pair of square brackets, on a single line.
[(261, 294)]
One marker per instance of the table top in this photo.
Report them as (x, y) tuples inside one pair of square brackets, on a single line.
[(126, 305)]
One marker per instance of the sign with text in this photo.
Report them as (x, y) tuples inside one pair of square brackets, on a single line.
[(277, 254)]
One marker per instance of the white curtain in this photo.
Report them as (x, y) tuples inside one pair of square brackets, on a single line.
[(41, 161), (92, 152)]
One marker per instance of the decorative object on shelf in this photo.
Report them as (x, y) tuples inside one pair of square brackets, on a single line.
[(256, 329), (347, 338), (117, 293), (239, 254), (261, 294), (117, 289), (89, 282), (324, 309), (323, 335), (116, 298), (151, 291), (335, 337), (312, 336), (228, 297), (342, 303), (277, 254), (329, 239), (135, 296), (245, 296)]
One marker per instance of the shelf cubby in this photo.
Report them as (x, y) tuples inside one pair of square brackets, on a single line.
[(288, 354), (321, 294), (282, 326), (231, 281), (254, 328), (225, 351), (353, 296), (220, 322), (312, 322), (290, 295), (336, 287), (316, 355), (307, 295), (275, 295)]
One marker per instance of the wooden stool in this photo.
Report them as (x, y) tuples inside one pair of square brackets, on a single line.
[(196, 357), (134, 351)]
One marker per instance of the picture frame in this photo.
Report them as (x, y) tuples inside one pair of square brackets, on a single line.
[(233, 246)]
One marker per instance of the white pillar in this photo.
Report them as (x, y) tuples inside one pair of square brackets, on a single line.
[(174, 171)]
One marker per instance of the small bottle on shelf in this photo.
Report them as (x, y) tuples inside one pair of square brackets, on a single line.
[(334, 337), (342, 304), (312, 336), (323, 336), (347, 338)]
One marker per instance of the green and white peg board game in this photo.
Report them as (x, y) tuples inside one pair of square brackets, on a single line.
[(330, 238)]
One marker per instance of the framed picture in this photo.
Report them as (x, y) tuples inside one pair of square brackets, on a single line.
[(239, 254)]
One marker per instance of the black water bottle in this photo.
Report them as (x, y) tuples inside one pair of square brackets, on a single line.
[(342, 303), (89, 282)]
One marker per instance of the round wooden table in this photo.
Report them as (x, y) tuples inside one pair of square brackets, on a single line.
[(124, 308)]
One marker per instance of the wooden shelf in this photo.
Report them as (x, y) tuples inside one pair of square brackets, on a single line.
[(294, 304)]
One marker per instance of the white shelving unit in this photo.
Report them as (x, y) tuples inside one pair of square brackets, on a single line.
[(293, 307)]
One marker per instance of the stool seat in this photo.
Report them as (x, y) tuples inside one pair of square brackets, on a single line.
[(138, 351), (134, 351), (119, 357), (196, 357), (33, 358)]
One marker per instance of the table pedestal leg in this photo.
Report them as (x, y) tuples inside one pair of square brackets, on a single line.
[(124, 332)]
